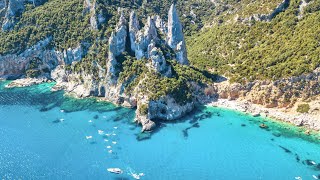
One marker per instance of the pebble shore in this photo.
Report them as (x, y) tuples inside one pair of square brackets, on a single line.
[(309, 121)]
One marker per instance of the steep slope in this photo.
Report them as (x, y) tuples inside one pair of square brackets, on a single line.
[(245, 48), (88, 54)]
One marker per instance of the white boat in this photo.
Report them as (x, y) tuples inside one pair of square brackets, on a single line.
[(135, 176), (100, 132), (88, 137), (114, 142), (315, 177), (115, 170)]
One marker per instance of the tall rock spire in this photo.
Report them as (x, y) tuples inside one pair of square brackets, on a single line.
[(117, 45), (175, 38), (133, 29)]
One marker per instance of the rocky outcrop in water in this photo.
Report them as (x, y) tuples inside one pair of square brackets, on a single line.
[(168, 109), (148, 43), (144, 43)]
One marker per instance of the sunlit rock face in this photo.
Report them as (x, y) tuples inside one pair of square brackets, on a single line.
[(117, 45), (90, 7), (11, 9), (175, 36)]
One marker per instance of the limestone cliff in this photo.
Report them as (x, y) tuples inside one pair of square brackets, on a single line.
[(115, 81), (175, 36), (90, 7), (267, 17), (146, 44), (40, 57), (281, 93), (12, 9)]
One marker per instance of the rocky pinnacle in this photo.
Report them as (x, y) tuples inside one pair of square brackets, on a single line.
[(175, 36)]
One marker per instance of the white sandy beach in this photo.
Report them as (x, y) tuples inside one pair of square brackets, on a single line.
[(309, 121)]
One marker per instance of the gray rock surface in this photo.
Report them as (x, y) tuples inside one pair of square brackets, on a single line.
[(134, 27), (268, 17), (168, 109), (117, 45), (15, 65), (90, 7), (175, 36), (14, 8), (144, 37), (158, 61)]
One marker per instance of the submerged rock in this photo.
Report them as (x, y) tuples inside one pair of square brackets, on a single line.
[(143, 136), (285, 149)]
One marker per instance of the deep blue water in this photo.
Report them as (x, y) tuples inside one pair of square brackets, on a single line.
[(43, 135)]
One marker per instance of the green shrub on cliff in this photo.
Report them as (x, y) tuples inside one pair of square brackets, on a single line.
[(143, 109), (303, 108)]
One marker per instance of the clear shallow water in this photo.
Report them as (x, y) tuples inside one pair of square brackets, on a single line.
[(38, 141)]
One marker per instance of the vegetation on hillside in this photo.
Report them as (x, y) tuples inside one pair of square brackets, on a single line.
[(284, 47)]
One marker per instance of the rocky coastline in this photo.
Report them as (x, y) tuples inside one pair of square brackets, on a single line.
[(309, 121), (26, 82)]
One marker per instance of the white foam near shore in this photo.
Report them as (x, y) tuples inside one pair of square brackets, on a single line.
[(307, 120)]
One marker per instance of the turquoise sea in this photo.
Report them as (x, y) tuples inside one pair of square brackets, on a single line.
[(45, 135)]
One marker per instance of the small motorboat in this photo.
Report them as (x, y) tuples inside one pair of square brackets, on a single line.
[(135, 176), (88, 137), (115, 170)]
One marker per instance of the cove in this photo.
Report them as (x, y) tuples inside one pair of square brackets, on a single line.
[(46, 135)]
